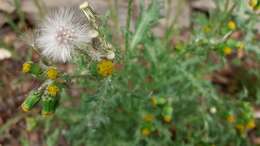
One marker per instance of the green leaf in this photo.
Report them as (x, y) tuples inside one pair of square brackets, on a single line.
[(148, 17), (52, 139)]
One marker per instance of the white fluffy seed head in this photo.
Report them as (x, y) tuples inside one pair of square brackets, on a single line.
[(63, 31)]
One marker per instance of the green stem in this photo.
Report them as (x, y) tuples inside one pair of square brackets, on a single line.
[(12, 24), (128, 24), (41, 7), (19, 12)]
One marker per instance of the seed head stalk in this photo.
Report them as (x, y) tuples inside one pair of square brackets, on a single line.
[(99, 42)]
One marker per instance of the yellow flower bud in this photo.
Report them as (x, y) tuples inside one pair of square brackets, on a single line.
[(206, 29), (167, 118), (154, 101), (105, 68), (251, 124), (26, 67), (53, 90), (253, 3), (148, 118), (231, 118), (52, 73), (232, 25), (240, 128), (227, 51), (146, 132)]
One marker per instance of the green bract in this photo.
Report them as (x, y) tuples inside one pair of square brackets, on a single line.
[(31, 100), (49, 105)]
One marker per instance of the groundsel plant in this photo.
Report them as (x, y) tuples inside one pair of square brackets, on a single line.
[(163, 95), (163, 92), (64, 34)]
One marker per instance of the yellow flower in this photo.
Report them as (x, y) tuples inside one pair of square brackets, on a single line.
[(251, 124), (146, 132), (227, 51), (148, 118), (53, 90), (52, 73), (240, 128), (26, 67), (105, 68), (206, 29), (154, 101), (231, 118), (232, 25), (253, 3), (167, 119)]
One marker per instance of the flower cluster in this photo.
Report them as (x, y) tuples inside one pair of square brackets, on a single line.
[(47, 93), (242, 120), (232, 46), (232, 25), (65, 34), (163, 112)]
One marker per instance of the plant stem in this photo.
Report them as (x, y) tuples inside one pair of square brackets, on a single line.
[(41, 7), (128, 23), (19, 12)]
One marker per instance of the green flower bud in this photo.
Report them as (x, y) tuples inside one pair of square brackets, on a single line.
[(36, 69), (161, 100), (157, 100), (31, 100), (167, 110), (49, 105), (148, 125), (231, 43), (167, 113)]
